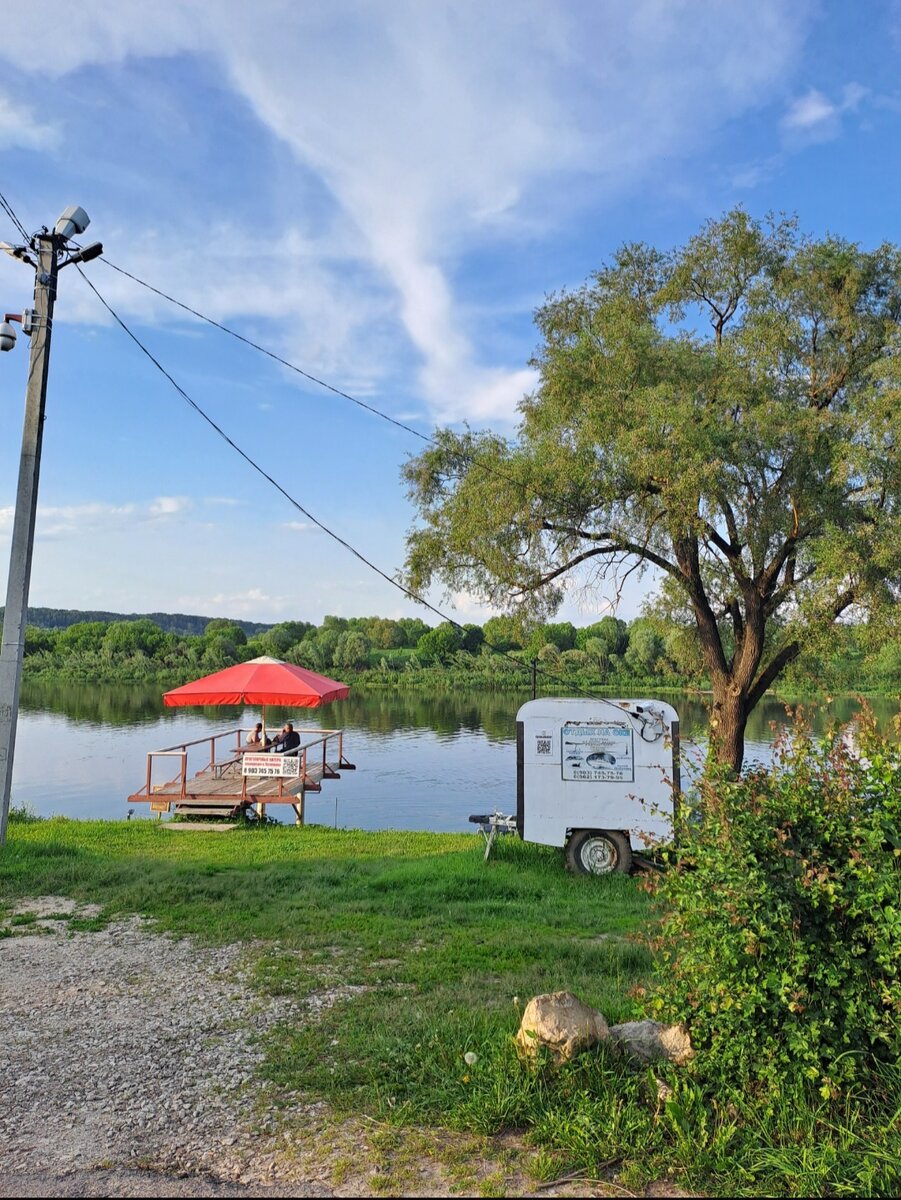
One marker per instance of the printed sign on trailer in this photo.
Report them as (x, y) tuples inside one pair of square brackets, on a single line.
[(598, 752)]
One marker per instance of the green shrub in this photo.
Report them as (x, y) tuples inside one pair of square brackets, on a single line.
[(781, 945)]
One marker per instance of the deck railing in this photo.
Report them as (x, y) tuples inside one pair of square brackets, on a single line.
[(222, 759)]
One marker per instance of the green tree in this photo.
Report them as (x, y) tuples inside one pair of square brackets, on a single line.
[(124, 638), (223, 627), (612, 632), (503, 633), (473, 638), (39, 640), (412, 629), (83, 636), (352, 650), (644, 649), (440, 644), (728, 414), (562, 635)]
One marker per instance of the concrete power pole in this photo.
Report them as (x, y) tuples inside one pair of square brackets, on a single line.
[(48, 248)]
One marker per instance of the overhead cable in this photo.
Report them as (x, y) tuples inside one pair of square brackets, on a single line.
[(470, 456), (269, 353), (320, 524), (10, 212)]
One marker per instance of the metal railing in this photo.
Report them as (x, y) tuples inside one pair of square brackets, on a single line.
[(306, 751)]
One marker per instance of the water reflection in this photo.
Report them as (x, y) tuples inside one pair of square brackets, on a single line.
[(425, 762)]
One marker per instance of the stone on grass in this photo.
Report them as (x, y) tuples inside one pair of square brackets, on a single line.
[(562, 1023), (650, 1040)]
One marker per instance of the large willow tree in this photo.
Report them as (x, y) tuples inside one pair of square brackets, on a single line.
[(727, 413)]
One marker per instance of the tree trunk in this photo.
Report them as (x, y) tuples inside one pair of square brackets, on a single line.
[(728, 721)]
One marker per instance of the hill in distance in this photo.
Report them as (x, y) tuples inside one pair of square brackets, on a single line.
[(183, 623)]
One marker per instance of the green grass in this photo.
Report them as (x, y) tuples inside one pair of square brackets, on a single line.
[(439, 952)]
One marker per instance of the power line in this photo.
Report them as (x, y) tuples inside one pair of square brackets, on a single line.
[(377, 412), (269, 353), (320, 524), (10, 212)]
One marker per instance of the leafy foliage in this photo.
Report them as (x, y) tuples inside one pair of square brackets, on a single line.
[(782, 941)]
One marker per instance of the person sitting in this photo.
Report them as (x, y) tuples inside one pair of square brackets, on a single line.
[(255, 737), (287, 740)]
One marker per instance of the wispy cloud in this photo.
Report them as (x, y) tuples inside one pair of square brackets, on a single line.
[(814, 117), (238, 604), (169, 506), (428, 132), (64, 520), (20, 128)]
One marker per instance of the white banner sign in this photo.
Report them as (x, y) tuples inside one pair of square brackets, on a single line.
[(276, 766), (598, 751)]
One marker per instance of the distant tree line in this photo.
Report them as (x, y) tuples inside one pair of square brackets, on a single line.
[(62, 618), (654, 650)]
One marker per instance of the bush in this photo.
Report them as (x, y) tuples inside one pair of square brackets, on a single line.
[(781, 944)]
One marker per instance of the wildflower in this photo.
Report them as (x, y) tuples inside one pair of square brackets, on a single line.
[(470, 1059)]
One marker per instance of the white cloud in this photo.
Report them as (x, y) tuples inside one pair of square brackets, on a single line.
[(64, 520), (20, 128), (57, 520), (814, 117), (248, 603), (808, 110), (433, 130), (169, 506)]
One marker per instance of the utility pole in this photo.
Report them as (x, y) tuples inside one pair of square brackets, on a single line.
[(48, 249)]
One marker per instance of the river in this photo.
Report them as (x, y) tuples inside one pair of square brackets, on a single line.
[(423, 762)]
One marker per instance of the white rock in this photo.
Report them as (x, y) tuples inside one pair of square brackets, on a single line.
[(650, 1040), (562, 1023)]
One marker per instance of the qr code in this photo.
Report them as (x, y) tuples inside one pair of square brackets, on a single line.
[(542, 745)]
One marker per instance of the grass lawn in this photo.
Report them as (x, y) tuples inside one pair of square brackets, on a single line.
[(438, 951)]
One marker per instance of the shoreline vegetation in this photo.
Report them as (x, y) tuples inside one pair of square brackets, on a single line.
[(648, 654)]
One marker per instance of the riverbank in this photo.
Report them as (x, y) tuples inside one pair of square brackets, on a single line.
[(431, 681), (382, 975)]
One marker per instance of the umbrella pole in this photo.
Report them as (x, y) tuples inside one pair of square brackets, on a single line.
[(260, 807)]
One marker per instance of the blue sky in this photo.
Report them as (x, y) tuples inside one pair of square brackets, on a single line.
[(382, 192)]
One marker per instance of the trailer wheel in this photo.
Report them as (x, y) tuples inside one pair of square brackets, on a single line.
[(598, 852)]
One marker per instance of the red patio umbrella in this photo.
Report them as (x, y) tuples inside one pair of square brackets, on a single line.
[(260, 681)]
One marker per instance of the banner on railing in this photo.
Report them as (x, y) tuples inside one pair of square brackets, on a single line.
[(275, 766)]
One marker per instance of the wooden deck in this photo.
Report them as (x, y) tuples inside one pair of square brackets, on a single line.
[(221, 788)]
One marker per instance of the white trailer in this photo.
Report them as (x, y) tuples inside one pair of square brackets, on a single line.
[(596, 777)]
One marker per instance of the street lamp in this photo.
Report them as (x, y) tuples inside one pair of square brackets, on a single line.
[(48, 253)]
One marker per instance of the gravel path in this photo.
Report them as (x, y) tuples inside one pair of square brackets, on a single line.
[(128, 1064), (128, 1054)]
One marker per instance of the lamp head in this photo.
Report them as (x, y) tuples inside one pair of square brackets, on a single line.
[(72, 222), (86, 255)]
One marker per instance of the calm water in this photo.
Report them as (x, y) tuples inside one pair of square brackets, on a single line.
[(422, 762)]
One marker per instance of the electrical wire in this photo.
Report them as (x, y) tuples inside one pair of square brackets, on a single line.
[(321, 525), (269, 353), (10, 212), (370, 408)]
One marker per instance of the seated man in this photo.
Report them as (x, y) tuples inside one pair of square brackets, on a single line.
[(287, 740)]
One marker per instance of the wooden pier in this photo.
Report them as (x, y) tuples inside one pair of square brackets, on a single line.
[(226, 786)]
